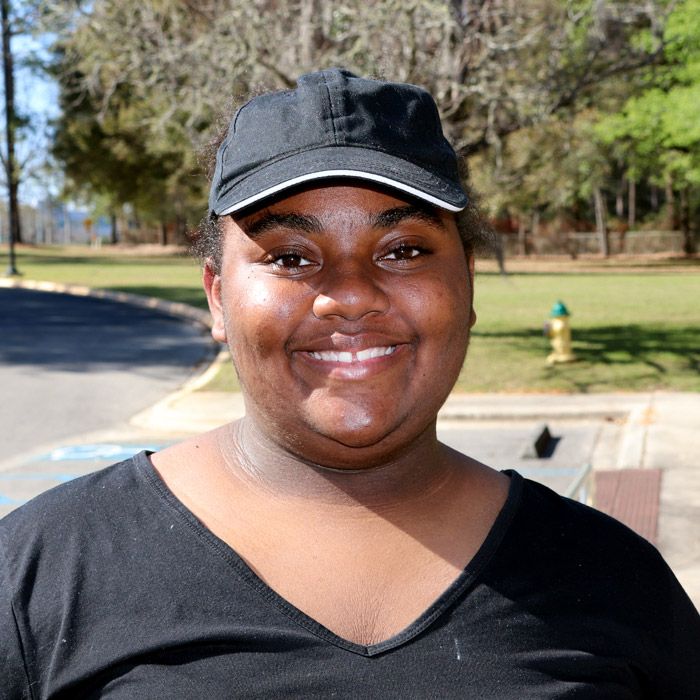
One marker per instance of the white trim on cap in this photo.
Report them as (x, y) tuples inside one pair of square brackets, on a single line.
[(341, 173)]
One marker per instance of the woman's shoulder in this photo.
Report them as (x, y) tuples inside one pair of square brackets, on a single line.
[(547, 517), (584, 552)]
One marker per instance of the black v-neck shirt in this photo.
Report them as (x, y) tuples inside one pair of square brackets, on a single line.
[(111, 588)]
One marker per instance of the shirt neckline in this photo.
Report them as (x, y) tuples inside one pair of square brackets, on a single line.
[(443, 602)]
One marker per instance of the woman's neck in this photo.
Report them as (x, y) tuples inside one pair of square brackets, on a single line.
[(422, 472)]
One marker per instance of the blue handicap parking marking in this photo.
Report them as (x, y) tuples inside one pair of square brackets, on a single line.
[(33, 477), (77, 453), (69, 453), (7, 501)]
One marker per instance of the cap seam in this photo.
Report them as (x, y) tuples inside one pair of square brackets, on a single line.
[(328, 105), (227, 142)]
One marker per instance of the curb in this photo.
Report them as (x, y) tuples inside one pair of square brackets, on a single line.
[(174, 308), (148, 418), (458, 414)]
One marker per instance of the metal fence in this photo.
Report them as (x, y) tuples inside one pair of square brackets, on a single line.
[(588, 243), (582, 489), (54, 223)]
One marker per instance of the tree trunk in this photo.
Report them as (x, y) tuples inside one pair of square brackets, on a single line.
[(181, 230), (47, 223), (620, 197), (66, 226), (631, 204), (672, 206), (163, 233), (10, 122), (600, 221), (535, 230), (522, 242), (654, 199), (113, 233), (307, 29), (688, 242), (670, 196)]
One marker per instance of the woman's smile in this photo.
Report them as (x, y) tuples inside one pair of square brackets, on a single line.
[(355, 366), (352, 357)]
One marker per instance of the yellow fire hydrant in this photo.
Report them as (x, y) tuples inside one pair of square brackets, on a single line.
[(558, 329)]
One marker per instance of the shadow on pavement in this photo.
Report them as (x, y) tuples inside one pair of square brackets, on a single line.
[(74, 333)]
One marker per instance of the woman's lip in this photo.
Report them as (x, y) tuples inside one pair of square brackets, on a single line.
[(340, 341)]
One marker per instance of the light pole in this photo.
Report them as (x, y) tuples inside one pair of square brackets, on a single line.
[(12, 184)]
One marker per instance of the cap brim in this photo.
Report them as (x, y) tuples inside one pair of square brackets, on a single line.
[(339, 162)]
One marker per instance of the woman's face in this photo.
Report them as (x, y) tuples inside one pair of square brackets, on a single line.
[(347, 311)]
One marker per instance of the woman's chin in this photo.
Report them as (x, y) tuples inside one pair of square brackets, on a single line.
[(353, 423), (359, 441)]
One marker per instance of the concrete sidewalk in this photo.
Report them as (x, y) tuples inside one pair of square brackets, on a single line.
[(655, 430)]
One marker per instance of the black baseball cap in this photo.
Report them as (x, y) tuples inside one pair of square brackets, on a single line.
[(336, 125)]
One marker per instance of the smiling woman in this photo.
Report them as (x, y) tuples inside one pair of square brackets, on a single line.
[(328, 545), (338, 294)]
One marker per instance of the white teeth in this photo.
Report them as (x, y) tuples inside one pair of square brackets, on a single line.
[(349, 357)]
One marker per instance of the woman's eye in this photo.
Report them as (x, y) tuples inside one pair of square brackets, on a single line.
[(405, 252), (289, 261)]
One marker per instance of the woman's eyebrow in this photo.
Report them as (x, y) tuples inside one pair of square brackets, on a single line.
[(290, 221), (394, 216), (310, 224)]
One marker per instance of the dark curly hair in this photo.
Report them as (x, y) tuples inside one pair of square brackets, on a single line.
[(206, 241)]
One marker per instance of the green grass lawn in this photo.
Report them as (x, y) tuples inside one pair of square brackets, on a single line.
[(634, 328), (630, 332)]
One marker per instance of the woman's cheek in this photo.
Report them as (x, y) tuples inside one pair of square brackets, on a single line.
[(262, 315)]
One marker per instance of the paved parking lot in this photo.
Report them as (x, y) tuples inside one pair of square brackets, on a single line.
[(72, 365)]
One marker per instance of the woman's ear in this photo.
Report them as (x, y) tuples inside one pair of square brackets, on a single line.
[(212, 286)]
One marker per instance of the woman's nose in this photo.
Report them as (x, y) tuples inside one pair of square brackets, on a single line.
[(350, 291)]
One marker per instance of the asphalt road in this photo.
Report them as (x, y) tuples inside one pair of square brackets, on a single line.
[(71, 365)]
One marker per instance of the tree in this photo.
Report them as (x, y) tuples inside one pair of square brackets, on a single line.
[(553, 170), (108, 159), (24, 131), (495, 67), (658, 130)]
